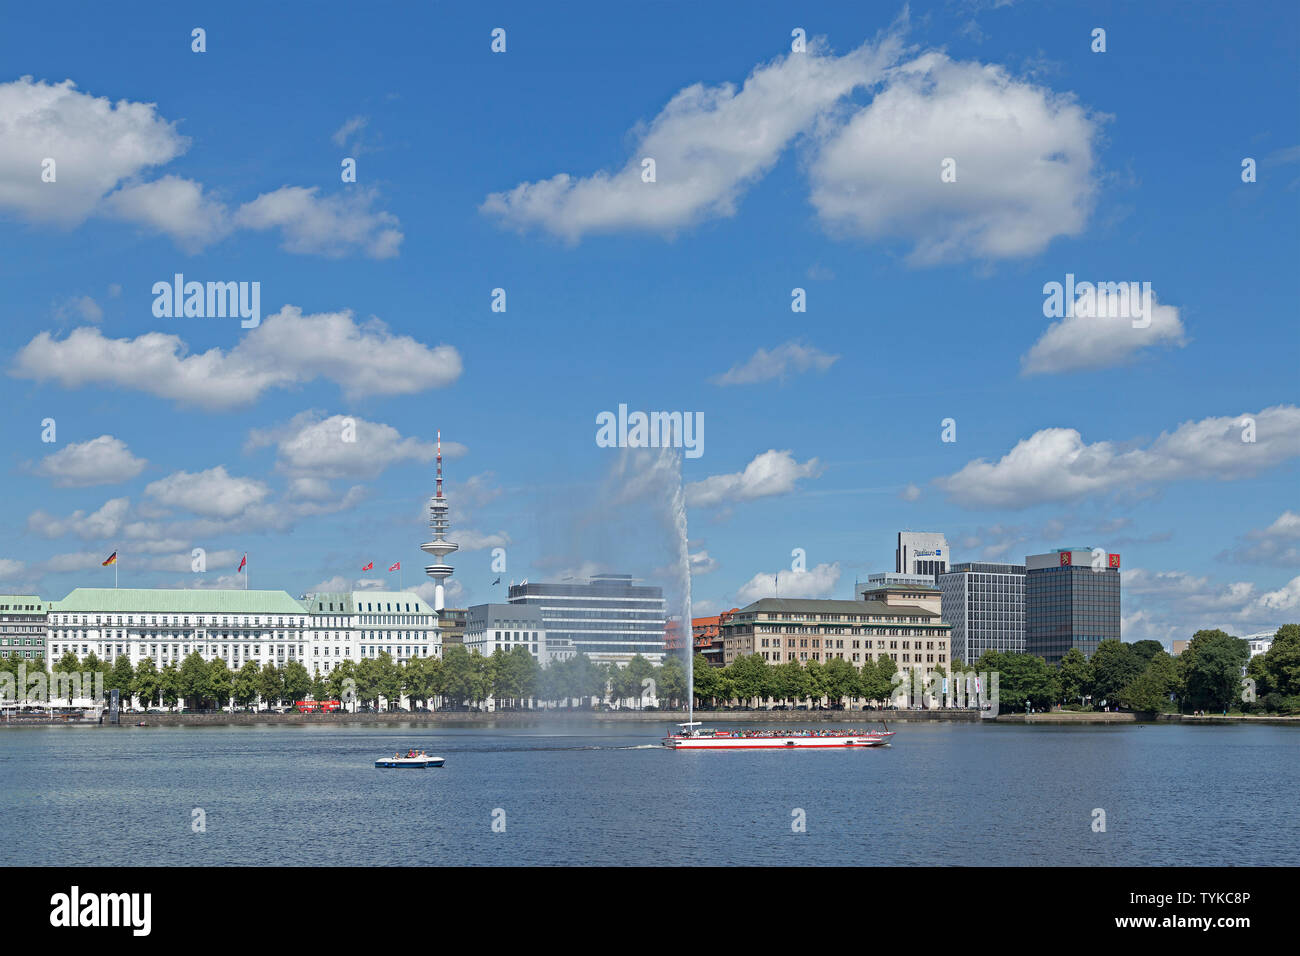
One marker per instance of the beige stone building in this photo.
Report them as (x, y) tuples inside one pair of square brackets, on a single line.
[(901, 621)]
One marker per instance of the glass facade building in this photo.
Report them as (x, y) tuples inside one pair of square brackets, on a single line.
[(609, 619), (985, 604), (1071, 600)]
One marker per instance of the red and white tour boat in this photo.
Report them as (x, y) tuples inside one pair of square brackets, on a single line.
[(693, 737)]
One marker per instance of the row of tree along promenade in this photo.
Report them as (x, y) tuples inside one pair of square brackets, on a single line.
[(1140, 677)]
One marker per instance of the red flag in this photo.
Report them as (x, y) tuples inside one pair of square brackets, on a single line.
[(368, 566), (396, 567), (242, 561)]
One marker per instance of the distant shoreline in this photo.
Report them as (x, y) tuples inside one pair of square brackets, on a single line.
[(536, 717)]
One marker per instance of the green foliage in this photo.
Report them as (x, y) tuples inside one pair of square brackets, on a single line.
[(1115, 665), (1150, 690), (1210, 670)]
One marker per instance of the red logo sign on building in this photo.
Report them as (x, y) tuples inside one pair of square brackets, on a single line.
[(1114, 560), (1065, 558)]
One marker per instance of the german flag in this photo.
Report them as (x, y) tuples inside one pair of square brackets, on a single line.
[(111, 559)]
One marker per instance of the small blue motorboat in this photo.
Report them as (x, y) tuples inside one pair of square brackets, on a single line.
[(419, 761)]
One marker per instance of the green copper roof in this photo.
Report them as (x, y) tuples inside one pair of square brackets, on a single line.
[(180, 600)]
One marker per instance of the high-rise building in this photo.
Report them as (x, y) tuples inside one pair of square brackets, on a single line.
[(439, 547), (1072, 599), (610, 619), (22, 626), (921, 552), (985, 604)]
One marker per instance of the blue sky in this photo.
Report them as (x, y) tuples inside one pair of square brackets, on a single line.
[(822, 172)]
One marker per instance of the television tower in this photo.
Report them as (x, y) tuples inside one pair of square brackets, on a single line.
[(439, 547)]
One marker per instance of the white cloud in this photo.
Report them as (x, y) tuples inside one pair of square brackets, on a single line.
[(212, 493), (330, 226), (101, 461), (95, 145), (477, 541), (1024, 164), (345, 132), (339, 446), (1101, 339), (709, 144), (1055, 464), (174, 206), (771, 473), (79, 307), (763, 366), (1277, 545), (816, 582), (910, 493), (105, 522), (101, 150), (287, 349), (702, 563), (11, 569)]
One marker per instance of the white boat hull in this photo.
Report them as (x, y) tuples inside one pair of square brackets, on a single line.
[(776, 742), (416, 762)]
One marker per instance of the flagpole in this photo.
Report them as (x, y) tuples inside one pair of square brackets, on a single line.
[(115, 563)]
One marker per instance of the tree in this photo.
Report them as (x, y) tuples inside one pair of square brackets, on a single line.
[(751, 678), (841, 679), (1021, 677), (1145, 650), (195, 682), (121, 677), (69, 666), (1115, 665), (1075, 673), (247, 684), (1151, 689), (1211, 669), (221, 681), (670, 681), (270, 685), (789, 681), (639, 673), (169, 684), (1277, 672), (297, 682), (146, 682)]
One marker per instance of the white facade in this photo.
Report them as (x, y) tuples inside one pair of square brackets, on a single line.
[(354, 625), (921, 552), (167, 625)]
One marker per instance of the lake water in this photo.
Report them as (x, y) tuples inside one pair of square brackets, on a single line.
[(608, 794)]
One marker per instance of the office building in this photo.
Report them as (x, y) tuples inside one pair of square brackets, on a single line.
[(1072, 599), (708, 636), (985, 604), (503, 627), (22, 626), (893, 622), (921, 552), (610, 619)]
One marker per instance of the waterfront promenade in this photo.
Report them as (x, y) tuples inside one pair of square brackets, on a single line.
[(521, 718)]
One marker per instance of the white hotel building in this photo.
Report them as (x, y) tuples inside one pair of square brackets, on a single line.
[(237, 626)]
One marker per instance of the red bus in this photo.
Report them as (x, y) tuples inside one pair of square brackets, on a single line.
[(317, 706)]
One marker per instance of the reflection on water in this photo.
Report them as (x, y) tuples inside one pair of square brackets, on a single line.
[(943, 794)]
